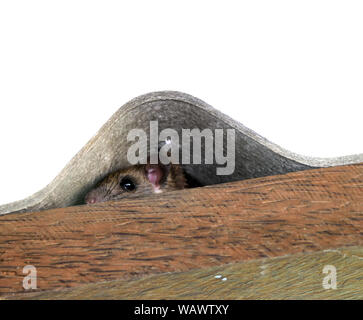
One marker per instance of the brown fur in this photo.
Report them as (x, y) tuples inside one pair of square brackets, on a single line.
[(109, 188)]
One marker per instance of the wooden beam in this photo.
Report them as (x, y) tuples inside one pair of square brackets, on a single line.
[(198, 228), (297, 276)]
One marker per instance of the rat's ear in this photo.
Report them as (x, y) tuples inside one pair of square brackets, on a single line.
[(155, 174)]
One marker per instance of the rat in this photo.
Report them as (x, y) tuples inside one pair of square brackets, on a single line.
[(138, 180)]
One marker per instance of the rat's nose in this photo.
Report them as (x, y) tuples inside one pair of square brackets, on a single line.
[(91, 200)]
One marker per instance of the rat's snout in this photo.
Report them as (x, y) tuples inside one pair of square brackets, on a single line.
[(93, 197), (91, 200)]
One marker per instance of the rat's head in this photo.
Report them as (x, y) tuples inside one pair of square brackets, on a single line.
[(132, 182)]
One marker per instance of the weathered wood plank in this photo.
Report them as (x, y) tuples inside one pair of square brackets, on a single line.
[(298, 276), (179, 231)]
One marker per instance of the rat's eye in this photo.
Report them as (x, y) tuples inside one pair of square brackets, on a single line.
[(127, 184)]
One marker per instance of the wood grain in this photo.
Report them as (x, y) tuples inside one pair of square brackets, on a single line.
[(297, 276), (259, 218)]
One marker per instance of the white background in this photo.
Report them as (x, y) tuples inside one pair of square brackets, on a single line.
[(290, 70)]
